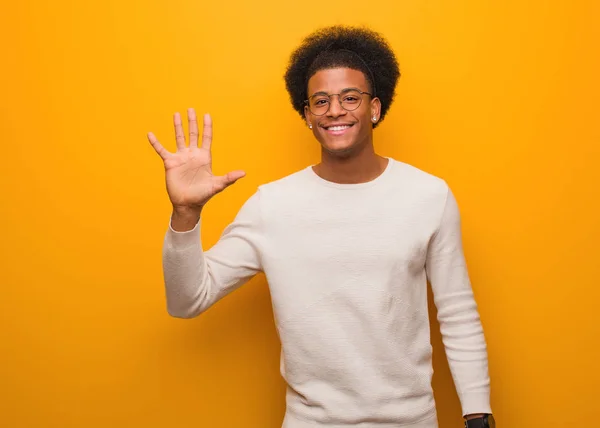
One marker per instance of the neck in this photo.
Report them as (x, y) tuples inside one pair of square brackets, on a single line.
[(360, 167)]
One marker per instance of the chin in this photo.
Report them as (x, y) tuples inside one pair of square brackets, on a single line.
[(339, 148)]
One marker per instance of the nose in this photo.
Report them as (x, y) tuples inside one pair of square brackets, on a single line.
[(335, 107)]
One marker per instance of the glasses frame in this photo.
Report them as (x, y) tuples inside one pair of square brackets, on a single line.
[(307, 102)]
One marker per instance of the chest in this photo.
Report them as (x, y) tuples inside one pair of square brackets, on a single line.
[(361, 241)]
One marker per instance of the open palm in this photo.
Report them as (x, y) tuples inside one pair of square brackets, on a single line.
[(190, 180)]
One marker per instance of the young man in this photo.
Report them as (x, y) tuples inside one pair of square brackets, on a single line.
[(347, 247)]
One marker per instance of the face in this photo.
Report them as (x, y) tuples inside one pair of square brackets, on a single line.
[(339, 131)]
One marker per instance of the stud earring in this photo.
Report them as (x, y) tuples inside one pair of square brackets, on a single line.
[(374, 118), (310, 126)]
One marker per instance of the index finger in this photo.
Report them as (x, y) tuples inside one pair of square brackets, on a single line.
[(193, 127), (207, 132), (179, 136)]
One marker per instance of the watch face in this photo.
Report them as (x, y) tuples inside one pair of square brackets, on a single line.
[(491, 422)]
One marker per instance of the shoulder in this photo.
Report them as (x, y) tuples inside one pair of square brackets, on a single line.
[(292, 183), (422, 184)]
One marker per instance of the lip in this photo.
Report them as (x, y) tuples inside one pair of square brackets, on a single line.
[(340, 132)]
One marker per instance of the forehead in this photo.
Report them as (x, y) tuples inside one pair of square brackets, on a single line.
[(333, 80)]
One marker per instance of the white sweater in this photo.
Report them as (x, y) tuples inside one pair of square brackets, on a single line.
[(347, 267)]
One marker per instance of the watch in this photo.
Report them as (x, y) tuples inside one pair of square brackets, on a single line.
[(487, 421)]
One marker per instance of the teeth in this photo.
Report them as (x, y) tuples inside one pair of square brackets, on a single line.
[(338, 128)]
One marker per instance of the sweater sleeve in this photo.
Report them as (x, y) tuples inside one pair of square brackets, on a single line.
[(460, 324), (196, 279)]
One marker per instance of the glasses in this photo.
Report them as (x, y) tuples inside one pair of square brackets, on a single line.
[(350, 99)]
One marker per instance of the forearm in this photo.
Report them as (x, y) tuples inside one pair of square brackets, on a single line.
[(466, 350), (184, 266), (196, 279)]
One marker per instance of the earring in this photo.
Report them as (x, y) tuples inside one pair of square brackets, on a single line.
[(310, 125), (374, 118)]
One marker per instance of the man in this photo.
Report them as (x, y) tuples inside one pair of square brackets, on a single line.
[(347, 247)]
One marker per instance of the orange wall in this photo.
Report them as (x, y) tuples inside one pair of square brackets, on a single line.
[(499, 98)]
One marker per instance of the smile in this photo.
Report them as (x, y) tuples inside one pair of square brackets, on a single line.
[(337, 129)]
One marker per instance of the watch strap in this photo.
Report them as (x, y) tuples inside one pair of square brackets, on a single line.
[(476, 423)]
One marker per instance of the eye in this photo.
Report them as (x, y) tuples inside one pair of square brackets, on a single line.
[(350, 99), (321, 102)]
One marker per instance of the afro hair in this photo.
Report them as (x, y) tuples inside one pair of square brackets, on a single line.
[(357, 48)]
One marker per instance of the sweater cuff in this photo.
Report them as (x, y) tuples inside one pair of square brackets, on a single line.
[(476, 402), (180, 240)]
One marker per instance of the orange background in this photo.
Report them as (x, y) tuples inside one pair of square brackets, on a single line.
[(499, 98)]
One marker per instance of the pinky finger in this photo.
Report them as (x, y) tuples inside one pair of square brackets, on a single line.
[(162, 152)]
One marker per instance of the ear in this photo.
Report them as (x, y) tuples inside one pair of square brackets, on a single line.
[(375, 110), (307, 116)]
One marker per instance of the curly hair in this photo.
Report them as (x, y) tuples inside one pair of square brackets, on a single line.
[(357, 48)]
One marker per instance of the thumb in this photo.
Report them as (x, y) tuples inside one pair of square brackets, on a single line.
[(230, 178)]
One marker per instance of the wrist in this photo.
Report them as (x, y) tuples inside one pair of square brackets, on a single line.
[(183, 219), (480, 420), (474, 415), (187, 211)]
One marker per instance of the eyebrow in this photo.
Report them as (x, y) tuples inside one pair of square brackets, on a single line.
[(341, 92)]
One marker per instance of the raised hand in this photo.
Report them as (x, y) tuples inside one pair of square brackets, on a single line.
[(190, 180)]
